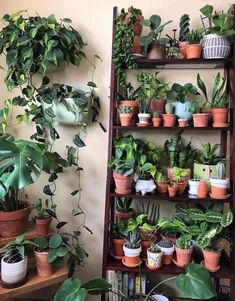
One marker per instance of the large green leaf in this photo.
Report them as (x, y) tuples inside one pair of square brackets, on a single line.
[(196, 283), (97, 286), (21, 164), (71, 290)]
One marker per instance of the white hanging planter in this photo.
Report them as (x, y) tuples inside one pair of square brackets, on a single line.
[(12, 273), (215, 47)]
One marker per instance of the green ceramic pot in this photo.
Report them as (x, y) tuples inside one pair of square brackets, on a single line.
[(204, 172)]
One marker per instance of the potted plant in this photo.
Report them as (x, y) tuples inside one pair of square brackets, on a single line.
[(171, 187), (169, 119), (202, 189), (171, 229), (157, 120), (144, 115), (118, 235), (14, 262), (153, 45), (199, 119), (132, 247), (193, 186), (43, 218), (154, 257), (125, 115), (178, 178), (21, 165), (219, 184), (183, 34), (219, 100), (213, 239), (161, 182), (206, 160), (167, 248), (182, 103), (123, 209), (182, 122), (184, 250), (215, 43), (124, 163), (194, 49)]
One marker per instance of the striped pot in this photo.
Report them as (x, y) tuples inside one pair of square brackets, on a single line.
[(215, 47)]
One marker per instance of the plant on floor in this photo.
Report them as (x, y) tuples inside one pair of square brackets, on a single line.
[(154, 36)]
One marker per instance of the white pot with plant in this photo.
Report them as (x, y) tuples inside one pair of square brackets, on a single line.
[(167, 248), (14, 261), (193, 186), (144, 115), (154, 257), (219, 184)]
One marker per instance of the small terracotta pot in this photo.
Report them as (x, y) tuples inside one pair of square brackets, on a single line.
[(218, 191), (169, 120), (180, 187), (117, 245), (167, 259), (124, 215), (123, 184), (156, 122), (183, 256), (220, 117), (162, 186), (134, 105), (125, 119), (158, 105), (172, 191), (193, 51), (182, 47), (43, 225), (202, 190), (211, 259), (183, 123), (145, 245), (200, 120), (44, 268)]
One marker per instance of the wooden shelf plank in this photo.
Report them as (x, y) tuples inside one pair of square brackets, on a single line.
[(177, 198), (30, 234), (176, 128), (34, 283)]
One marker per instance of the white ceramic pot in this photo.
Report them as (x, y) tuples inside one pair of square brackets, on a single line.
[(193, 186), (143, 117), (167, 251), (220, 183), (154, 259), (215, 47), (12, 273), (132, 252), (158, 297), (145, 186)]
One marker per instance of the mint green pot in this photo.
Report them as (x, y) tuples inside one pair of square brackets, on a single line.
[(204, 172)]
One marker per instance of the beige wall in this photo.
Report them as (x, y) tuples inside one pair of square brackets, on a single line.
[(93, 19)]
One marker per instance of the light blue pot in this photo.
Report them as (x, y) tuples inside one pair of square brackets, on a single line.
[(181, 109)]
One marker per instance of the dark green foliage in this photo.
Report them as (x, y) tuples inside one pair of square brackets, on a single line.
[(184, 27)]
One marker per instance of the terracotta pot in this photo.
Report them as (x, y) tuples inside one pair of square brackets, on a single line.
[(125, 119), (156, 52), (183, 123), (183, 256), (200, 120), (180, 187), (44, 268), (220, 117), (117, 245), (182, 47), (218, 191), (157, 122), (123, 184), (202, 189), (136, 48), (132, 256), (124, 215), (135, 110), (145, 245), (211, 259), (43, 225), (219, 187), (169, 120), (162, 186), (15, 222), (193, 51), (158, 105), (172, 191)]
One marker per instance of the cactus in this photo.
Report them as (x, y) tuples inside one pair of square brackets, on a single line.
[(184, 241), (184, 27), (196, 214), (169, 108), (154, 248), (213, 217), (220, 170), (226, 219), (165, 244), (156, 114), (194, 230)]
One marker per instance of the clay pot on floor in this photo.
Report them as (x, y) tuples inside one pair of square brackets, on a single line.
[(15, 222), (211, 260), (193, 51), (117, 247), (123, 184), (162, 186), (124, 215), (202, 190), (183, 256), (157, 122), (44, 268), (169, 120), (135, 110), (201, 120), (43, 225), (220, 117)]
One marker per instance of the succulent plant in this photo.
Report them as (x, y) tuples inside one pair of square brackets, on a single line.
[(165, 244), (125, 109), (184, 27), (220, 170), (154, 248), (156, 114), (169, 108), (194, 37), (184, 241), (133, 240)]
